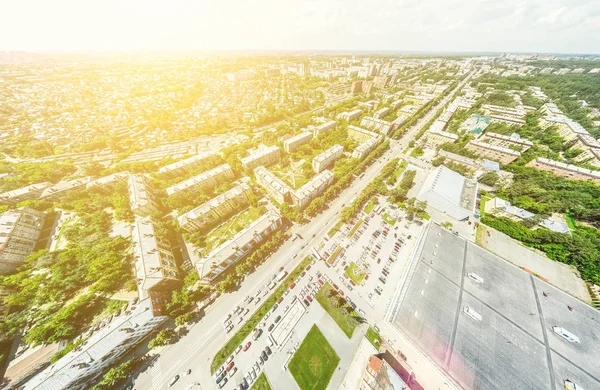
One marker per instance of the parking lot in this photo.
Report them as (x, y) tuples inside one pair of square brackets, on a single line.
[(378, 250)]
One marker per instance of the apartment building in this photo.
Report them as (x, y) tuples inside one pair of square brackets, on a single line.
[(323, 128), (261, 156), (516, 113), (369, 105), (84, 365), (360, 134), (349, 116), (303, 195), (375, 124), (291, 144), (19, 232), (155, 266), (32, 191), (505, 141), (141, 199), (211, 267), (509, 120), (569, 171), (497, 153), (216, 209), (396, 104), (59, 190), (199, 182), (324, 159), (567, 128), (457, 158), (381, 113), (590, 156), (107, 183), (274, 186), (380, 82), (187, 165), (436, 137), (365, 148)]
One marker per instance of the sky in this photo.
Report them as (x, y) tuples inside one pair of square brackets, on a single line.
[(544, 26)]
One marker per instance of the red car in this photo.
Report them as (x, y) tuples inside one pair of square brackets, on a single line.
[(352, 282), (280, 269), (367, 277), (247, 346), (229, 367), (341, 292), (309, 298), (279, 301), (321, 282), (292, 285), (308, 267)]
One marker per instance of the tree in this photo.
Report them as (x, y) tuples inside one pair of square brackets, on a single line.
[(164, 337), (118, 375), (489, 178), (184, 319), (228, 284)]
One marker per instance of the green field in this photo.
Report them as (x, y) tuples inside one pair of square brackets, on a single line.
[(482, 202), (249, 326), (314, 362), (339, 309), (261, 383), (371, 205), (388, 219), (373, 337), (231, 227), (355, 273), (335, 229)]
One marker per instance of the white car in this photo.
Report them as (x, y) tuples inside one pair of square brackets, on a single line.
[(238, 349)]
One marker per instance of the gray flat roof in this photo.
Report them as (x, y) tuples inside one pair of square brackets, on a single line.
[(513, 346)]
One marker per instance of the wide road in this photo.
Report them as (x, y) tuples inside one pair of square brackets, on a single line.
[(196, 350)]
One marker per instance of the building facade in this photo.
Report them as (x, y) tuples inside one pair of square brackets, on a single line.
[(155, 265), (569, 171), (25, 193), (291, 144), (303, 195), (206, 179), (19, 232), (349, 116), (324, 159), (142, 200), (216, 209), (274, 186), (497, 153), (263, 156), (506, 141), (375, 124), (187, 165), (323, 128)]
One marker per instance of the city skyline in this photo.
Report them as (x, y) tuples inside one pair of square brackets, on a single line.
[(432, 26)]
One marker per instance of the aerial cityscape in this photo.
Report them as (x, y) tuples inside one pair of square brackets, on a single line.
[(294, 211)]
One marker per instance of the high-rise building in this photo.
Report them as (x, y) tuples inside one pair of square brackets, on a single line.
[(19, 232), (356, 87), (367, 86)]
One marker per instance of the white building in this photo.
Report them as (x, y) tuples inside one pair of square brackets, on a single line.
[(303, 195), (206, 179), (19, 232), (291, 144), (141, 199), (81, 367), (323, 128), (32, 191), (349, 116), (261, 156), (375, 124), (186, 165), (57, 191), (443, 190), (324, 159)]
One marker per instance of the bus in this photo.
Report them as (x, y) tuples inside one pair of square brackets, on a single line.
[(565, 334), (316, 254)]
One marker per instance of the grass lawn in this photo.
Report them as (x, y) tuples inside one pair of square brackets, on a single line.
[(417, 152), (480, 235), (344, 315), (570, 222), (482, 202), (371, 205), (261, 383), (314, 362), (388, 219), (355, 273), (286, 174), (373, 337), (229, 228), (401, 167), (334, 229), (249, 326)]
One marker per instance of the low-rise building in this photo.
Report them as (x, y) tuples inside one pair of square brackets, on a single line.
[(291, 144), (590, 157), (84, 365), (572, 172), (434, 138), (29, 192), (349, 116), (381, 113), (323, 128), (475, 124), (274, 186), (187, 165), (448, 192), (262, 156), (234, 249), (360, 134), (365, 148), (303, 195), (504, 208), (497, 153), (19, 232), (141, 198), (567, 128), (216, 209), (324, 159), (155, 266), (375, 124), (506, 141), (107, 183), (206, 179), (57, 191), (509, 120)]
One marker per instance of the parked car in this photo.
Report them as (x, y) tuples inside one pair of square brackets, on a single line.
[(264, 356), (247, 346), (238, 349), (230, 366), (174, 380), (271, 327), (232, 372), (306, 303), (268, 350), (277, 319), (223, 383)]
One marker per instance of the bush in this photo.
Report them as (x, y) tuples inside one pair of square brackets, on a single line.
[(164, 337)]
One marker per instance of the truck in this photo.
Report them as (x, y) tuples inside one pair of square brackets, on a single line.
[(281, 276)]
